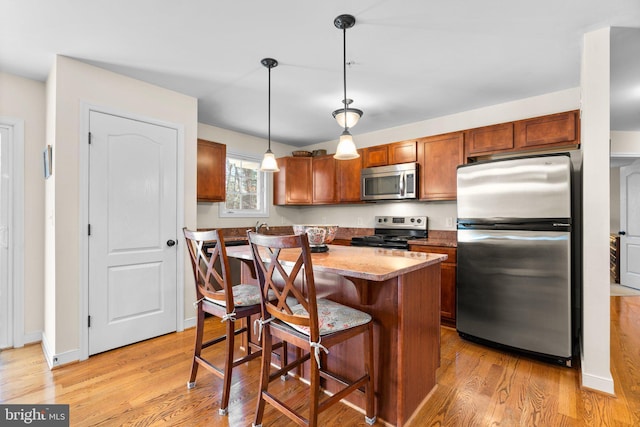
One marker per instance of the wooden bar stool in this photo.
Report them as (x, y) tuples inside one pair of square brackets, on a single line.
[(217, 296), (313, 325)]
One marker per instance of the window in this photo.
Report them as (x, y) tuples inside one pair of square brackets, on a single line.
[(246, 188)]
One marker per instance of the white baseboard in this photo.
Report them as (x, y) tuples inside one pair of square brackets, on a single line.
[(189, 323), (32, 337), (55, 360), (596, 382)]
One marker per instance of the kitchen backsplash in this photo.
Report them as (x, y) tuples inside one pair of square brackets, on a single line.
[(442, 215)]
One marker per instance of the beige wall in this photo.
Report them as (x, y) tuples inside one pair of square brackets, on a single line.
[(72, 84), (24, 99), (595, 365)]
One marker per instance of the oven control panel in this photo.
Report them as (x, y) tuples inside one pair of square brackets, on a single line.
[(402, 222)]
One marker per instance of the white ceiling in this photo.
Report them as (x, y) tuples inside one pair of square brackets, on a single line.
[(411, 60)]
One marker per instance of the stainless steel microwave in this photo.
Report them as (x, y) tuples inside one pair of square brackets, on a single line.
[(395, 182)]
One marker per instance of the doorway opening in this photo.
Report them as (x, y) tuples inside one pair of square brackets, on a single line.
[(11, 232)]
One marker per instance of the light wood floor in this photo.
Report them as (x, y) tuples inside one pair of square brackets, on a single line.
[(145, 384)]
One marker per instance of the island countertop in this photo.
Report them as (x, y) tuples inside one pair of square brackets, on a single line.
[(376, 264), (401, 291)]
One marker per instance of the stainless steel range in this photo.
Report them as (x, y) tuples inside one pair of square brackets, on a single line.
[(394, 232)]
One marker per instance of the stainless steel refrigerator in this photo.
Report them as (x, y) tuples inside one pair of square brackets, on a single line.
[(517, 254)]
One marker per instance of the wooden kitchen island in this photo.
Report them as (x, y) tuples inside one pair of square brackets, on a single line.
[(401, 291)]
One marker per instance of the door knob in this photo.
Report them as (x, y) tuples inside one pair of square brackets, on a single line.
[(622, 233), (171, 243)]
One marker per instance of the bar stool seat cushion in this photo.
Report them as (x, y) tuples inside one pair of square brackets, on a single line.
[(243, 296), (332, 317)]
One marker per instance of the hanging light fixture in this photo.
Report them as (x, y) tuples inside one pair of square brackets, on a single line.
[(346, 148), (353, 114), (269, 163)]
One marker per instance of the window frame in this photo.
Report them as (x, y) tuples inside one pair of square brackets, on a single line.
[(263, 191)]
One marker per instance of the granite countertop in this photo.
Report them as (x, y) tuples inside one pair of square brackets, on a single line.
[(441, 238), (376, 264), (438, 238)]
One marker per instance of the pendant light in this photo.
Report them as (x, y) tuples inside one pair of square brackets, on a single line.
[(353, 114), (269, 163), (346, 148)]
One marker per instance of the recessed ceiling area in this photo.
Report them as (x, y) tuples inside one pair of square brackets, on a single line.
[(409, 60)]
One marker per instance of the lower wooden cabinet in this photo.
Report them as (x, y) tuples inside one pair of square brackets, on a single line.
[(212, 158), (447, 281)]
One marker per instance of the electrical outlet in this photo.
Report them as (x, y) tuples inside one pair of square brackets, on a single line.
[(449, 222), (359, 222)]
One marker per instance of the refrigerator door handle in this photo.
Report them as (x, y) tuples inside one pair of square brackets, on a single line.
[(561, 224)]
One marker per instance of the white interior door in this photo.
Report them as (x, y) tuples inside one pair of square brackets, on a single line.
[(630, 226), (132, 217), (5, 297)]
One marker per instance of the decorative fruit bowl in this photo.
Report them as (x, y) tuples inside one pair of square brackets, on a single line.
[(319, 235)]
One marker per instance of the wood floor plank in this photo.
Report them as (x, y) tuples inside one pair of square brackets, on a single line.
[(145, 384)]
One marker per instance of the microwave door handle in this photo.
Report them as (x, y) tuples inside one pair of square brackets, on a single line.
[(403, 177)]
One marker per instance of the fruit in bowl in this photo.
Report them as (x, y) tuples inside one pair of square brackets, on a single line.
[(319, 235)]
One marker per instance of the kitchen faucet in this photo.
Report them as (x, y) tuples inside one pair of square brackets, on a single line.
[(258, 226)]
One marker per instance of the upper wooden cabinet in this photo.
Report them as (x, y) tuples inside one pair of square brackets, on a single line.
[(211, 171), (539, 133), (292, 185), (389, 154), (317, 180), (375, 156), (439, 157), (348, 180), (324, 171), (553, 130), (490, 139), (402, 152)]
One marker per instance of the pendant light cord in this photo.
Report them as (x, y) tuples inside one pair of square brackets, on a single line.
[(344, 73), (269, 112)]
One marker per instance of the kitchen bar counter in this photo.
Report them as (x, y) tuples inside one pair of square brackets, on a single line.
[(401, 290)]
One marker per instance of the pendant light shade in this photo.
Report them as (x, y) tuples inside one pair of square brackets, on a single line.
[(353, 115), (346, 149), (269, 163)]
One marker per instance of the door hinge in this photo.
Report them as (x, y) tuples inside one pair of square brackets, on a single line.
[(89, 321), (89, 229), (89, 138)]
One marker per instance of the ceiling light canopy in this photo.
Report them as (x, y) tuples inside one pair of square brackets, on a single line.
[(346, 148), (269, 163), (353, 114)]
